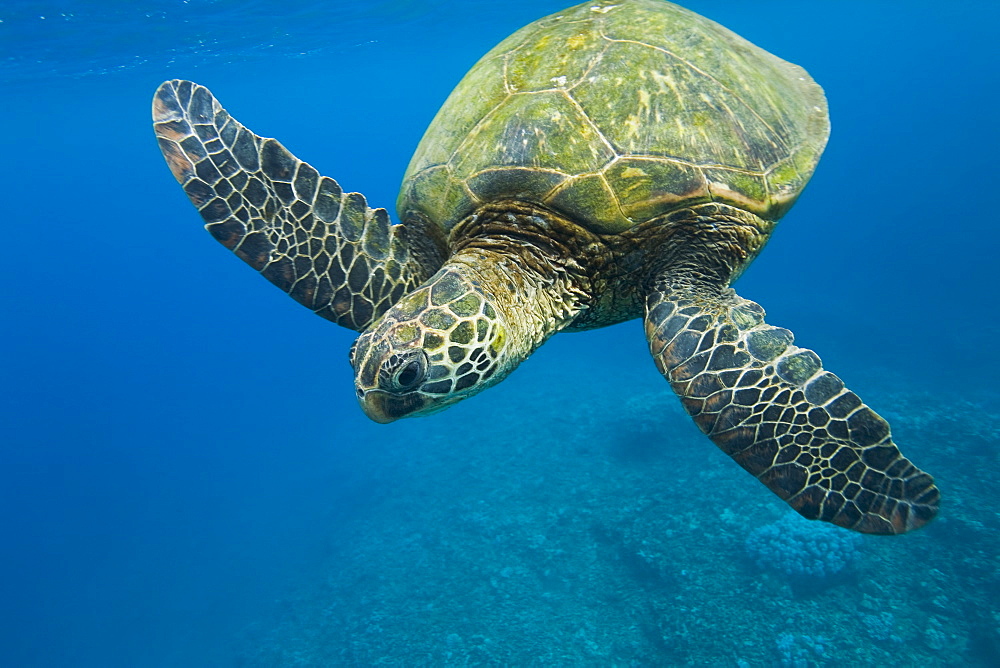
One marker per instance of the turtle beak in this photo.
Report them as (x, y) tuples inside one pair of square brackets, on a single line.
[(384, 407)]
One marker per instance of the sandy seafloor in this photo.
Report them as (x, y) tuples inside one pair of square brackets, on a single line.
[(187, 479)]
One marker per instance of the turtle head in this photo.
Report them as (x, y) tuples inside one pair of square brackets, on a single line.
[(439, 344)]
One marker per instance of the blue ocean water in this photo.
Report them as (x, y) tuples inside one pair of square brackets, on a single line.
[(187, 478)]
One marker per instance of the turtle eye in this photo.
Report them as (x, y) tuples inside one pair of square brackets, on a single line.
[(409, 374), (352, 351), (404, 371)]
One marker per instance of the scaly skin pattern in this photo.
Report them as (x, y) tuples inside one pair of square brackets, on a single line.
[(509, 286), (324, 247), (772, 407)]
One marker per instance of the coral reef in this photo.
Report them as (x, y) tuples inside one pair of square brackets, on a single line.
[(798, 547), (801, 651), (597, 526)]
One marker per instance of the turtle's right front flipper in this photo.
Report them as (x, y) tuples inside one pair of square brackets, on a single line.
[(771, 407), (327, 249)]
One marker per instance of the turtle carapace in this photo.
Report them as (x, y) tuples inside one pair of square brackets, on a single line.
[(619, 159)]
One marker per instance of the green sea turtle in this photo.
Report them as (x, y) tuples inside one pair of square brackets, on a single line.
[(619, 159)]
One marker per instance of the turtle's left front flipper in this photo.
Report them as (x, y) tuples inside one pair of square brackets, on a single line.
[(771, 407), (326, 248)]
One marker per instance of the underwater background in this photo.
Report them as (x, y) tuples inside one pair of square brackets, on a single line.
[(187, 479)]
